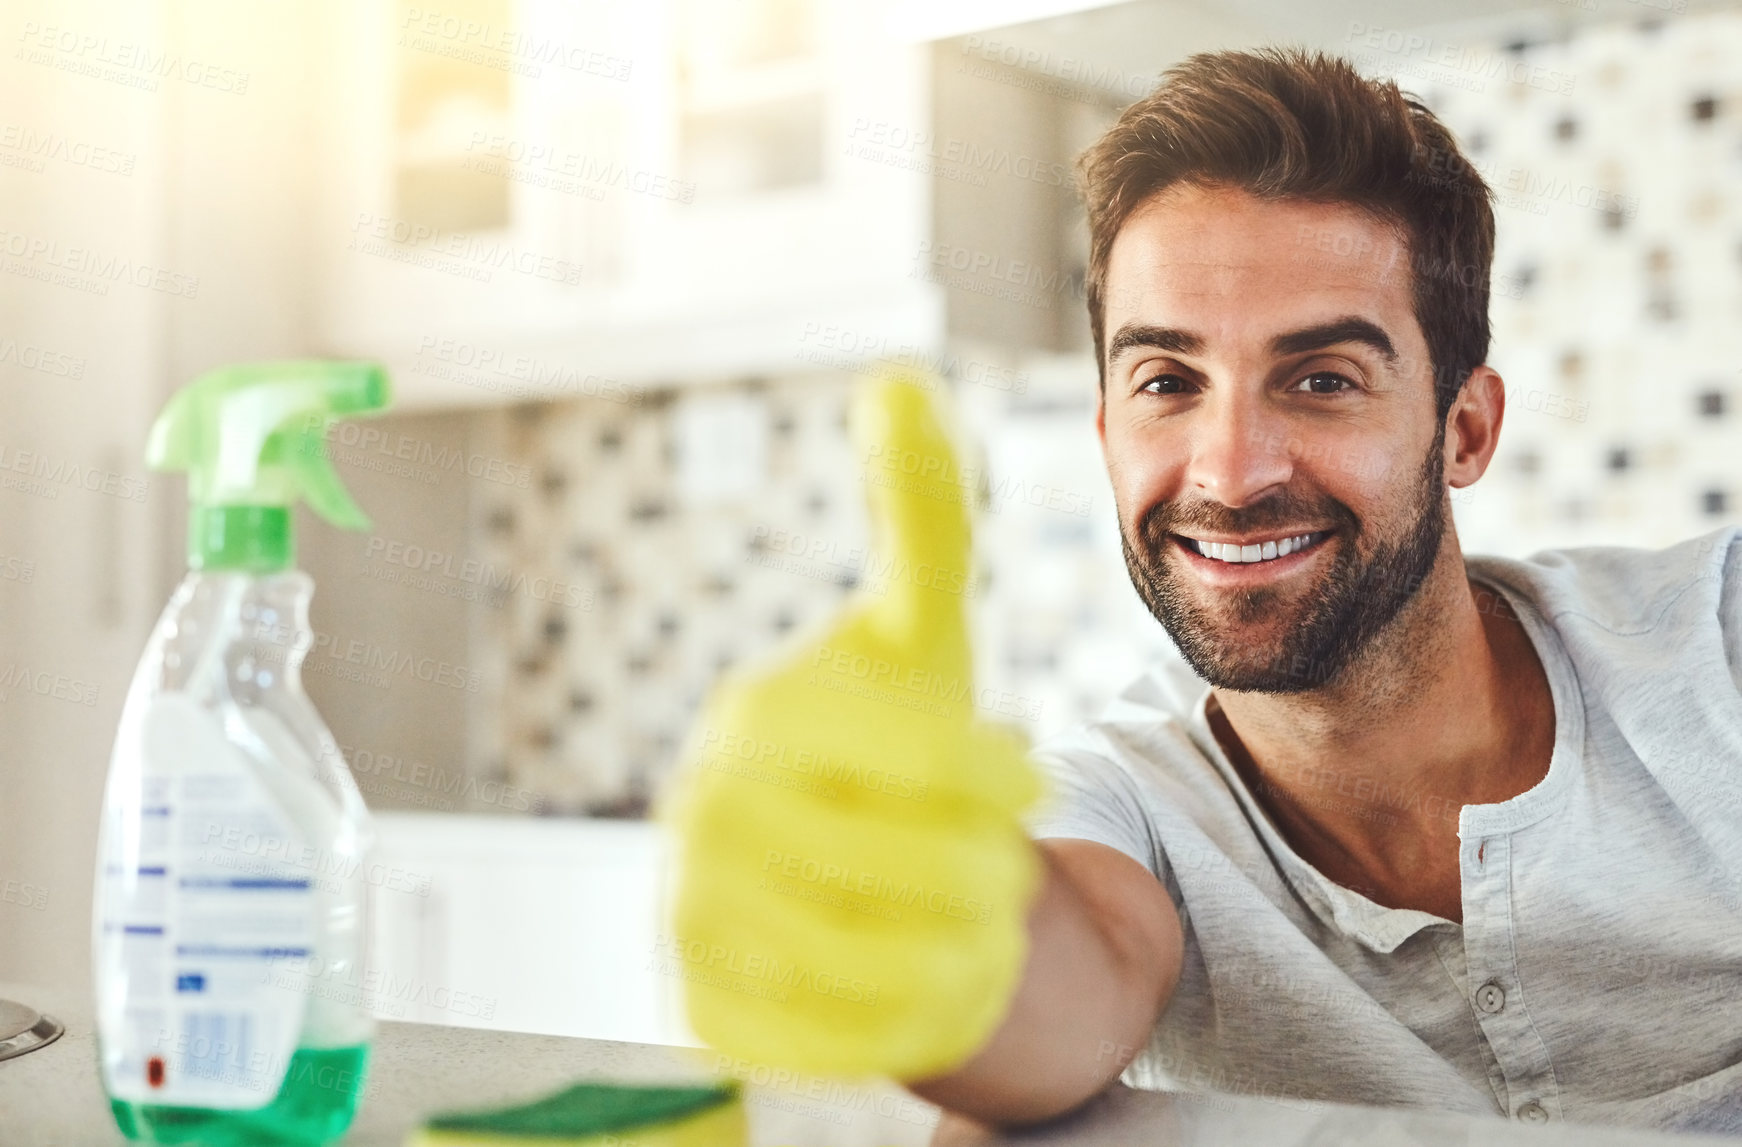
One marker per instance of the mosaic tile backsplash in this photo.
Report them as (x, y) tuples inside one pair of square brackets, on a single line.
[(1617, 283), (685, 568), (701, 527)]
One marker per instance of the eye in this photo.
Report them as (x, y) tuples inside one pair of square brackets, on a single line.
[(1164, 384), (1327, 377)]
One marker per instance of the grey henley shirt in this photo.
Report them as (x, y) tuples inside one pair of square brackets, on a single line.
[(1597, 973)]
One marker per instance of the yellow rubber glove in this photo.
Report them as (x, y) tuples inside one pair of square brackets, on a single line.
[(853, 878)]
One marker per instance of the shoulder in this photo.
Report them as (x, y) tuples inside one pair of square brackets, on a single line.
[(1148, 749), (1135, 778), (1624, 590), (1148, 723)]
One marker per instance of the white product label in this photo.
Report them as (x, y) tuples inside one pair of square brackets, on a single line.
[(206, 923)]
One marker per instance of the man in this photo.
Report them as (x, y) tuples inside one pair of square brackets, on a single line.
[(1403, 827), (1399, 828)]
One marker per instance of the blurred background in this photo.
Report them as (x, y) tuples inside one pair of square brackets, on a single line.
[(626, 263)]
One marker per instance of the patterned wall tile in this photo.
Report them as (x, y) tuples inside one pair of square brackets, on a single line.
[(1618, 282)]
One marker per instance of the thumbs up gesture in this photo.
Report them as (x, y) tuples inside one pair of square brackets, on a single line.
[(853, 877)]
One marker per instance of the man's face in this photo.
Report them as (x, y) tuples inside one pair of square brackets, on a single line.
[(1266, 379)]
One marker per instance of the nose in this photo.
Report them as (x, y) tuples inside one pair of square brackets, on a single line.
[(1240, 451)]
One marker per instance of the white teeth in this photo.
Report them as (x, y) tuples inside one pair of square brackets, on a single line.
[(1267, 551)]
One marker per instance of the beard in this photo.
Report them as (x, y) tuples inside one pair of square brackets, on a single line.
[(1336, 618)]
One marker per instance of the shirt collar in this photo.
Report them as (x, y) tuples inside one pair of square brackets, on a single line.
[(1375, 926)]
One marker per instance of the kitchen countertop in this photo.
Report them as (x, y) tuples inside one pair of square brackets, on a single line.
[(52, 1098)]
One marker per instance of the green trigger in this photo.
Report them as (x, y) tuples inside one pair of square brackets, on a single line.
[(326, 495), (252, 438)]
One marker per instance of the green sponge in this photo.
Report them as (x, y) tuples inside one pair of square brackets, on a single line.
[(598, 1113)]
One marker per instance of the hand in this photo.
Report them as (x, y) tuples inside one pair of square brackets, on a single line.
[(853, 876)]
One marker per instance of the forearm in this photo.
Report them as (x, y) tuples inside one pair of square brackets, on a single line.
[(1087, 1001)]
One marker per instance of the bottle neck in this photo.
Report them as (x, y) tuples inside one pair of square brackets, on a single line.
[(237, 634), (247, 539)]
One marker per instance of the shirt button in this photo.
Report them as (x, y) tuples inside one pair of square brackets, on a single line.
[(1490, 997), (1533, 1112)]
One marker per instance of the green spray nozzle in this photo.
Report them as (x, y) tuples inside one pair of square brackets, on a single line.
[(252, 439)]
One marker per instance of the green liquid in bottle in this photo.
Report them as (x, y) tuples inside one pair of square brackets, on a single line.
[(313, 1106)]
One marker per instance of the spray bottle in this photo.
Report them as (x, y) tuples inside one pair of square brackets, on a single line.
[(231, 902)]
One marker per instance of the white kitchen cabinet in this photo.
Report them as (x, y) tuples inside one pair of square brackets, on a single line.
[(522, 925), (664, 218)]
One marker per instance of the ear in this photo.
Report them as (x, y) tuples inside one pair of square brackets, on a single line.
[(1101, 418), (1473, 426)]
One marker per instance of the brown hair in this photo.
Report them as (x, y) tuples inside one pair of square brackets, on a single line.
[(1283, 123)]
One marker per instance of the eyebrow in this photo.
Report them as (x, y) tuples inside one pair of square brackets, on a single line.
[(1133, 335), (1351, 328)]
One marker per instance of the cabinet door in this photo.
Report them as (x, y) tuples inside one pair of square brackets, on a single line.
[(550, 927), (545, 199)]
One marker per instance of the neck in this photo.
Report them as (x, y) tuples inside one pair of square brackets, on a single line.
[(1449, 706)]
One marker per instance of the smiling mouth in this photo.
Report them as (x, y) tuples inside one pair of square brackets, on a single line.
[(1233, 554)]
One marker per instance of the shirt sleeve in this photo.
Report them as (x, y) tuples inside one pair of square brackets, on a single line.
[(1090, 797)]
